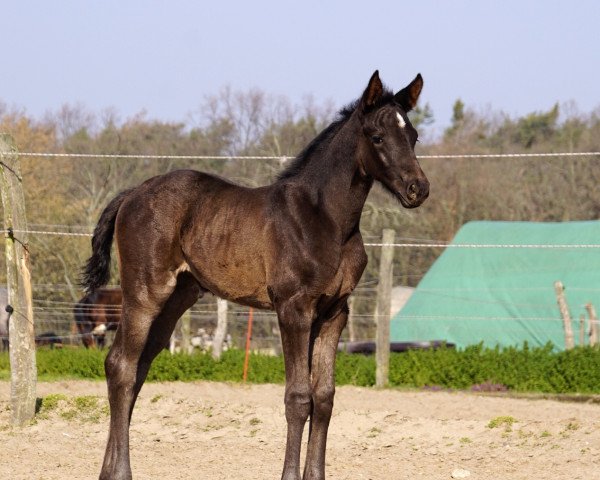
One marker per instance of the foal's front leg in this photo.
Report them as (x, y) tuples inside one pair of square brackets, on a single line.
[(323, 391), (295, 319)]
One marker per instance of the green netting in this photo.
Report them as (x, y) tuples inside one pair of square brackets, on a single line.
[(504, 296)]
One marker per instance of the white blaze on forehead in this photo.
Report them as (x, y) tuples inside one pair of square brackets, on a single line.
[(401, 121)]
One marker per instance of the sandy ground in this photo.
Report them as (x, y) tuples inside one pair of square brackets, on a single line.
[(221, 431)]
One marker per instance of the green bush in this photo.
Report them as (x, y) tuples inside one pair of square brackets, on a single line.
[(201, 366), (352, 369), (522, 369), (525, 369)]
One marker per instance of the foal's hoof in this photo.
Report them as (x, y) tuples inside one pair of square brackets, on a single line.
[(291, 474), (115, 475)]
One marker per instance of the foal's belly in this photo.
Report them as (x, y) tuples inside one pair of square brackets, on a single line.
[(225, 245), (239, 287), (232, 274)]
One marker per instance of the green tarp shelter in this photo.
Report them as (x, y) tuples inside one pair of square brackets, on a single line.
[(505, 296)]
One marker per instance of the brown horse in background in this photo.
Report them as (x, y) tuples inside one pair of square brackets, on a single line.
[(97, 313), (294, 247)]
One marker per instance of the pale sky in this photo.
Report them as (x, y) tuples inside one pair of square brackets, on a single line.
[(164, 57)]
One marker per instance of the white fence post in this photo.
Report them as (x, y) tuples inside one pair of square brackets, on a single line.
[(221, 331), (566, 316)]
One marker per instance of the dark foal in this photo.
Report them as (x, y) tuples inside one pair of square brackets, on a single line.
[(96, 313), (294, 247)]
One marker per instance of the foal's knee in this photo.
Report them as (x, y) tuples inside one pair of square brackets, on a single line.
[(298, 400), (323, 399)]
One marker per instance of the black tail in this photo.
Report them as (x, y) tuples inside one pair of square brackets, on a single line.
[(96, 272)]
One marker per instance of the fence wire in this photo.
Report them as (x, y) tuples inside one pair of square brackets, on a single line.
[(58, 315), (285, 158), (427, 244)]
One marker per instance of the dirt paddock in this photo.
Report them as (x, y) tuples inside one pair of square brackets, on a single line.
[(220, 431)]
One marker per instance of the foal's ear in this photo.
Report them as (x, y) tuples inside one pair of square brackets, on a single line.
[(372, 93), (408, 96)]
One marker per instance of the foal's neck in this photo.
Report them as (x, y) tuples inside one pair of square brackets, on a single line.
[(341, 186)]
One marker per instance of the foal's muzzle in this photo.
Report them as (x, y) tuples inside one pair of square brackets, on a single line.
[(415, 193)]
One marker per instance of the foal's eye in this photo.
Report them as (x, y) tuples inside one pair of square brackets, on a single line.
[(377, 139)]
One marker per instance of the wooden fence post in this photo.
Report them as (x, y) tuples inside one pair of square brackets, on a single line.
[(248, 345), (351, 326), (23, 371), (277, 347), (221, 331), (172, 341), (564, 312), (593, 324), (186, 337), (581, 330), (384, 309)]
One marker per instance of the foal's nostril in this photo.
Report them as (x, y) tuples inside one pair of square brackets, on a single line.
[(412, 191)]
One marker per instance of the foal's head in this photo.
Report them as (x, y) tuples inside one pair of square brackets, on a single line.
[(388, 141)]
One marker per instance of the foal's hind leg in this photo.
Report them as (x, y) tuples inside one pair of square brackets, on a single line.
[(144, 331), (186, 293)]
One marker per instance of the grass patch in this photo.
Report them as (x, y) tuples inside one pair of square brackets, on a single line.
[(50, 402), (573, 426), (506, 421), (86, 403), (87, 408)]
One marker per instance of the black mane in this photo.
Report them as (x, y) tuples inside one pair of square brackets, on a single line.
[(327, 134)]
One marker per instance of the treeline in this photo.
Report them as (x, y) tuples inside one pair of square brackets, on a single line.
[(71, 192)]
